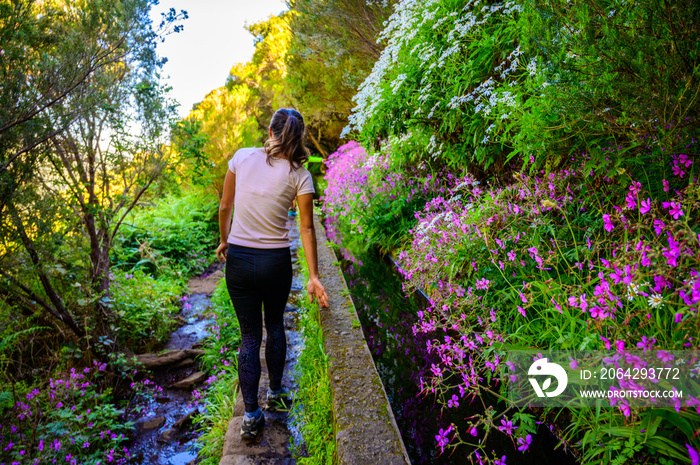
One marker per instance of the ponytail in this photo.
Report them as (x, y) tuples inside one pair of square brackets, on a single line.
[(287, 139)]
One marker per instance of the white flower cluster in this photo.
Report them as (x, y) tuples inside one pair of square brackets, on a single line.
[(396, 83), (433, 148), (400, 28)]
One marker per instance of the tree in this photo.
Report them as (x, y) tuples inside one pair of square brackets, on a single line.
[(101, 148), (238, 114), (333, 47)]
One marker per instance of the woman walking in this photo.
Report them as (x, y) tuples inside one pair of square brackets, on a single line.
[(260, 186)]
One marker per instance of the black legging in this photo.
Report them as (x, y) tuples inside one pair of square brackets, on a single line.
[(256, 278)]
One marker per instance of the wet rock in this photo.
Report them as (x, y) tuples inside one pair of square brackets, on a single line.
[(272, 442), (167, 358), (153, 423), (190, 381), (167, 435), (184, 363), (183, 420)]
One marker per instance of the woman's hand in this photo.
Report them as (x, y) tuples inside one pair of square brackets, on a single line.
[(221, 251), (315, 289)]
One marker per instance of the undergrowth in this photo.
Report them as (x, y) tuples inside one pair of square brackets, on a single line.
[(312, 411), (220, 396)]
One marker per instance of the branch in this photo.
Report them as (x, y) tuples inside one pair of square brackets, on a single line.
[(31, 295), (63, 314), (135, 201)]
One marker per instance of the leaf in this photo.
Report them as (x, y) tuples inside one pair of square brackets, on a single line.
[(546, 384)]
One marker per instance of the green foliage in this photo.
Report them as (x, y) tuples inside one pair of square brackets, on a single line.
[(87, 77), (621, 73), (312, 411), (332, 48), (173, 237), (146, 308), (219, 358)]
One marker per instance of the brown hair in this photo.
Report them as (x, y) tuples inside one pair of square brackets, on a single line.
[(287, 139)]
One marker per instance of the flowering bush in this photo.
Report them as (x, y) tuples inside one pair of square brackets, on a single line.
[(69, 421), (547, 261), (593, 244), (383, 188), (419, 89)]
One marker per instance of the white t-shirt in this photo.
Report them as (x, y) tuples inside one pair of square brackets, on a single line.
[(263, 196)]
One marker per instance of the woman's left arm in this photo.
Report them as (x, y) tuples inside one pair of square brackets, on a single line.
[(225, 211)]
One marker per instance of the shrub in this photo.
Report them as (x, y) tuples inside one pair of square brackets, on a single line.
[(146, 307), (176, 236), (71, 420)]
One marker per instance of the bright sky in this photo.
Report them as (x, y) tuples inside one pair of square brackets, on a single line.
[(213, 40)]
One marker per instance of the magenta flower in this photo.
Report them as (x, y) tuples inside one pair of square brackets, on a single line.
[(507, 426), (674, 209), (608, 224), (693, 454), (454, 402), (645, 343), (441, 438), (666, 186), (524, 444), (645, 206), (659, 226)]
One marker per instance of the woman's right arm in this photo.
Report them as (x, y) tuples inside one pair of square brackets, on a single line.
[(225, 211), (308, 241)]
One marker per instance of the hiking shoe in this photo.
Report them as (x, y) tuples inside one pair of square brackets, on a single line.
[(278, 401), (252, 426)]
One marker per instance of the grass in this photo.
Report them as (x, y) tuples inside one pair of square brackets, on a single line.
[(312, 411), (219, 358)]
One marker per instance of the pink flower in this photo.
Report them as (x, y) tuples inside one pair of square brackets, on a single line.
[(645, 206), (635, 187), (454, 402), (674, 209), (522, 311), (693, 454), (608, 224), (645, 343), (524, 444), (659, 226), (507, 426), (666, 186)]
